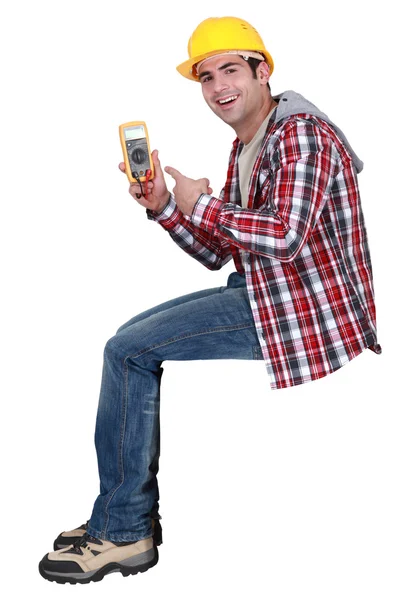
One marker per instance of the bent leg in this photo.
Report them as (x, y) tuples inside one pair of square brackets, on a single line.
[(216, 325)]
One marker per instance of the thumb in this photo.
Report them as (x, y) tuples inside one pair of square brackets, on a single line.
[(173, 172), (157, 165)]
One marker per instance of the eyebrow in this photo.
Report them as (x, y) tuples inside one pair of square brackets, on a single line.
[(225, 66)]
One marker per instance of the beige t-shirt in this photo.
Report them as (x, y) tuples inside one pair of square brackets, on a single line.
[(247, 158)]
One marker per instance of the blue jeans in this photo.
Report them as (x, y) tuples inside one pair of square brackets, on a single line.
[(210, 324)]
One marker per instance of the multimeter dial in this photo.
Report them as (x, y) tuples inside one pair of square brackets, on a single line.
[(138, 156)]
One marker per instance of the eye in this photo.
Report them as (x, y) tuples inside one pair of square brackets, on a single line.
[(228, 71), (206, 78)]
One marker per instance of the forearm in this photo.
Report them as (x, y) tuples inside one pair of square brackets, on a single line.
[(291, 199), (256, 231), (209, 250)]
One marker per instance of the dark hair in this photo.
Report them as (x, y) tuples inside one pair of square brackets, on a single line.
[(253, 64)]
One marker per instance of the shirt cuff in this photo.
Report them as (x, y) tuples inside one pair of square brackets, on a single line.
[(169, 216), (206, 212)]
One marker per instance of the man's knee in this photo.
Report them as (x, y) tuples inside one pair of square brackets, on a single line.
[(128, 341), (113, 349), (121, 345)]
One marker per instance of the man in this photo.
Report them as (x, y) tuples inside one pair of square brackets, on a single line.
[(301, 298)]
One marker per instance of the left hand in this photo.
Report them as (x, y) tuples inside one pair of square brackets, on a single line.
[(187, 191)]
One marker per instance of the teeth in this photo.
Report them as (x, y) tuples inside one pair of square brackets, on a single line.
[(227, 100)]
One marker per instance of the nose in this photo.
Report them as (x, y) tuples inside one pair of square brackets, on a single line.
[(220, 84)]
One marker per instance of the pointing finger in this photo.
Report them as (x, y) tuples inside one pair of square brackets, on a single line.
[(173, 172)]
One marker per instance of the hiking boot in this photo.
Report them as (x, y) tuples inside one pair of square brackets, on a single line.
[(89, 559), (66, 538)]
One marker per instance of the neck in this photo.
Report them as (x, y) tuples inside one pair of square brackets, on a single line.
[(246, 131)]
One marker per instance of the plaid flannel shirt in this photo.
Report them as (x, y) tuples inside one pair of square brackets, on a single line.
[(301, 243)]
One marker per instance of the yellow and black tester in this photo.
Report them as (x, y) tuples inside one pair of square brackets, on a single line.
[(136, 149)]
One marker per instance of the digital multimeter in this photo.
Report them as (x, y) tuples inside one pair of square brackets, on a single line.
[(136, 149)]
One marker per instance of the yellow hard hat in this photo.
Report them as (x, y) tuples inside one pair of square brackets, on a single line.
[(218, 35)]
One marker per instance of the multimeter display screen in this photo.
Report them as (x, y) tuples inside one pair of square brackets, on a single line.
[(134, 133)]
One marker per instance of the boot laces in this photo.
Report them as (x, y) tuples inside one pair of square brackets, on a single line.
[(83, 542)]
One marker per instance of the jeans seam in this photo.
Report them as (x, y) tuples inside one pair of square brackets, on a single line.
[(120, 453), (190, 335)]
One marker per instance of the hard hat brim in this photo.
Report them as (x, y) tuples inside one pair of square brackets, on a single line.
[(186, 68)]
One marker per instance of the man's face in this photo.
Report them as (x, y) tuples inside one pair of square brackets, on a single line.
[(230, 89)]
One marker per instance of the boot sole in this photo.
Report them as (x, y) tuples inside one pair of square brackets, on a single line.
[(98, 575)]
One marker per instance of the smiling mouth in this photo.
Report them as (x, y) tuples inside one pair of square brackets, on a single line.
[(228, 101)]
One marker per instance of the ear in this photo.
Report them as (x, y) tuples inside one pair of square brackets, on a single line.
[(263, 72)]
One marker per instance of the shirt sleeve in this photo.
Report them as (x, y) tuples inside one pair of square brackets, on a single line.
[(306, 162), (209, 250)]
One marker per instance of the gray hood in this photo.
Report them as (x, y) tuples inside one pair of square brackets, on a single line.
[(292, 103)]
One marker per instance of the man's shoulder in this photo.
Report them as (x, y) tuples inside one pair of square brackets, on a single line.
[(292, 127), (295, 111)]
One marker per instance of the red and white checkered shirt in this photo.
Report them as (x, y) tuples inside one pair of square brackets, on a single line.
[(301, 243)]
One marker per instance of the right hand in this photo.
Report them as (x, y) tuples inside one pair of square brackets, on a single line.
[(157, 193)]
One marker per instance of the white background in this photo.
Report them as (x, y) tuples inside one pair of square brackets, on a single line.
[(279, 495)]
